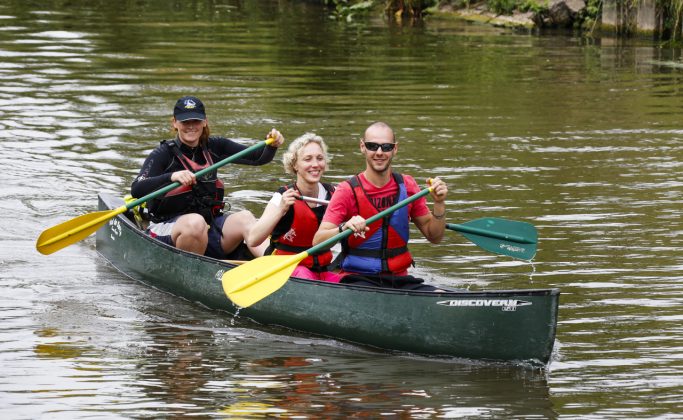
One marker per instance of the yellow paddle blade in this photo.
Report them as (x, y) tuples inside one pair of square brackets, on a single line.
[(256, 279), (74, 230)]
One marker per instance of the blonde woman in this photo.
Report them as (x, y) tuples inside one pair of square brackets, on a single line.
[(292, 221)]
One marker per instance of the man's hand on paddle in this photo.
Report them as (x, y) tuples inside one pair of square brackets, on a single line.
[(357, 225), (439, 189)]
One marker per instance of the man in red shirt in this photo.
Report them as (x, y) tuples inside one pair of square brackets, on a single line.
[(377, 254)]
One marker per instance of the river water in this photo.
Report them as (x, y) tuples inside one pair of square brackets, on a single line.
[(582, 138)]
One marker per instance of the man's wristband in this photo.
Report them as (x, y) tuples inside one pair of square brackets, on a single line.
[(341, 227), (439, 217)]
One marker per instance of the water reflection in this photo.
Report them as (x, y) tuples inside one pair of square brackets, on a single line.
[(211, 365), (581, 138), (358, 389)]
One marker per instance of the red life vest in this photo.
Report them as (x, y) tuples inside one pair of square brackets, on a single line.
[(205, 197), (295, 231), (384, 248)]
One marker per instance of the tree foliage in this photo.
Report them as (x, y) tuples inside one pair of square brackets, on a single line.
[(347, 9)]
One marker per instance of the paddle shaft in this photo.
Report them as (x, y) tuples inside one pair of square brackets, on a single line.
[(489, 233), (291, 260), (328, 243), (199, 173), (314, 200), (457, 227), (73, 230)]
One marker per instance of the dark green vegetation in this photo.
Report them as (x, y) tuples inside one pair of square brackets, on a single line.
[(397, 9), (668, 13)]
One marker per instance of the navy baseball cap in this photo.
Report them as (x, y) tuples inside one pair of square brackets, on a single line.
[(189, 108)]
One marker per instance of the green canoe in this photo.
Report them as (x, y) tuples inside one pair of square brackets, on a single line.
[(502, 325)]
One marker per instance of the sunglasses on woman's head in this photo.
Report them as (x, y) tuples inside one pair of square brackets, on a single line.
[(373, 147)]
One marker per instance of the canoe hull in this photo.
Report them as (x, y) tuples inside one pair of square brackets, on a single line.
[(512, 325)]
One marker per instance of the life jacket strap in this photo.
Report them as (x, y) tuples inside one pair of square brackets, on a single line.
[(378, 253)]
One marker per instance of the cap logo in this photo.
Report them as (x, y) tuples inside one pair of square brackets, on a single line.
[(190, 104)]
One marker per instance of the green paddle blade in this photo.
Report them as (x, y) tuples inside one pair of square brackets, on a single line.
[(501, 236), (256, 279), (74, 230)]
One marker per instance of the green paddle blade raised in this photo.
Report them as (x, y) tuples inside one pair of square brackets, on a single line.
[(501, 236), (253, 281)]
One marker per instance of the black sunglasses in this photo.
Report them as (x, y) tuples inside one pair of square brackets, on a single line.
[(373, 147)]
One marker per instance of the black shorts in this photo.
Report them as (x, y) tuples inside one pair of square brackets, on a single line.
[(162, 231)]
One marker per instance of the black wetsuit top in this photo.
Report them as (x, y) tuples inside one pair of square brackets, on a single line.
[(161, 163)]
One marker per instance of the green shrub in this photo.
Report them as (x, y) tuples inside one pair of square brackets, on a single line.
[(534, 6), (503, 7)]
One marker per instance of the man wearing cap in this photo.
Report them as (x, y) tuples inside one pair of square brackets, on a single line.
[(190, 217)]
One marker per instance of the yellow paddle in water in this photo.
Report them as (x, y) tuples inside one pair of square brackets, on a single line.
[(74, 230), (257, 279)]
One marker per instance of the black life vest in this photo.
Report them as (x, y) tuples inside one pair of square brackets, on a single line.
[(205, 197)]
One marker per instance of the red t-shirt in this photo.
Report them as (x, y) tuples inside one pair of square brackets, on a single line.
[(343, 204)]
